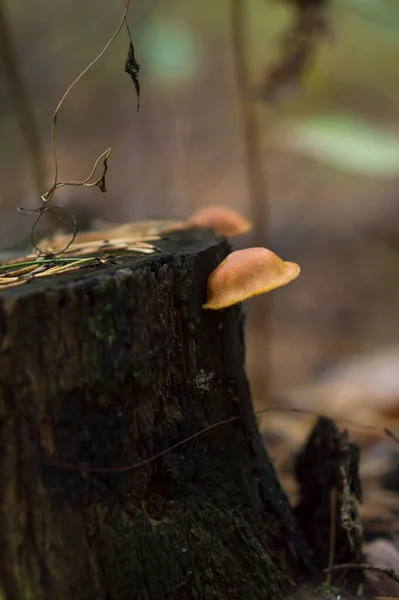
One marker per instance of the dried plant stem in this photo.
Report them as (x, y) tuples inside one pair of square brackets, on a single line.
[(85, 182), (50, 194), (234, 418), (255, 173), (72, 266), (21, 101), (32, 263), (391, 573)]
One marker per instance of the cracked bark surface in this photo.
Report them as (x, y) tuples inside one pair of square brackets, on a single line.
[(108, 368)]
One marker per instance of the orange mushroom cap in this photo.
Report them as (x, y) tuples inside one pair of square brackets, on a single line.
[(247, 273), (223, 221)]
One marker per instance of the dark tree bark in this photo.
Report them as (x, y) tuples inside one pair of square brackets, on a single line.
[(107, 369), (327, 470)]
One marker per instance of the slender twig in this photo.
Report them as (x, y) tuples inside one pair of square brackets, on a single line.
[(50, 194), (333, 530), (391, 435), (85, 182), (21, 101), (147, 461), (254, 166), (391, 573)]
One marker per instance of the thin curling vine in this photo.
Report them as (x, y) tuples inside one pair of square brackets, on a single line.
[(100, 182), (48, 196)]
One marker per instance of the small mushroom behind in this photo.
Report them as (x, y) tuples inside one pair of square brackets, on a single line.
[(222, 220), (247, 273)]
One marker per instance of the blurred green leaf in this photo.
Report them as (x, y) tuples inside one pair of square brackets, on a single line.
[(344, 142), (381, 13), (169, 51)]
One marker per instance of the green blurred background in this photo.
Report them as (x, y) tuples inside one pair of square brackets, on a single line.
[(331, 151)]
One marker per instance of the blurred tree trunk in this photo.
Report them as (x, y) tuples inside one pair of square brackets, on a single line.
[(255, 168), (107, 370), (22, 103)]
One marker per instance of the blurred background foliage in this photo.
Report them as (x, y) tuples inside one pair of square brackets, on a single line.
[(331, 152)]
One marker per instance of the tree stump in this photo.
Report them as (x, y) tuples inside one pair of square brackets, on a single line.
[(105, 370)]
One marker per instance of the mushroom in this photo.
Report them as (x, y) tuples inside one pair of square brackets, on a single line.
[(222, 220), (247, 273)]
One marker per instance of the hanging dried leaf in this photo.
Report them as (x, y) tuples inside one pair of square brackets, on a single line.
[(132, 68), (299, 45), (100, 183)]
